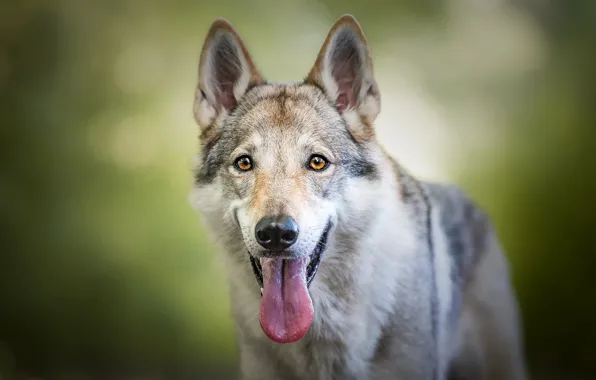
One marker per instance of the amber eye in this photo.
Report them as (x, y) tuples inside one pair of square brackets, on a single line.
[(317, 162), (243, 163)]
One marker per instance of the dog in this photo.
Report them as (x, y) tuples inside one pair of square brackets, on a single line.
[(341, 264)]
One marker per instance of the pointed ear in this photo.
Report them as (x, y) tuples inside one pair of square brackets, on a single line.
[(344, 70), (226, 72)]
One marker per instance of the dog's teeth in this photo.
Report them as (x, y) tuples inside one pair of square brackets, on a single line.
[(261, 291)]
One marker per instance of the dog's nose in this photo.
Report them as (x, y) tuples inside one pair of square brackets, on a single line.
[(276, 232)]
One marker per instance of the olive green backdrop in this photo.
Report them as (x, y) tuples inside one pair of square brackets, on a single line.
[(106, 272)]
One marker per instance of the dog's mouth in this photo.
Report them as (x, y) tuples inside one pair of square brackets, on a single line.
[(313, 262), (286, 307)]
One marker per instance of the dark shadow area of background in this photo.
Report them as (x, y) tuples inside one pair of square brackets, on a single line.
[(105, 271)]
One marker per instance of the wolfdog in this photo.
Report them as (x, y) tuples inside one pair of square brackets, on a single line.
[(341, 264)]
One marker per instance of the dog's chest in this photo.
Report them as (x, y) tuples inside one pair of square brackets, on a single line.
[(336, 348), (321, 359)]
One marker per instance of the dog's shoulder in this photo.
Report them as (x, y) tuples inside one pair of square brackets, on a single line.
[(465, 226)]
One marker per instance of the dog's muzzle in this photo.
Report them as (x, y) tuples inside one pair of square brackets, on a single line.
[(313, 264)]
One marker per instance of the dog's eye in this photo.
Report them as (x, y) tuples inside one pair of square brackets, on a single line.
[(317, 162), (243, 163)]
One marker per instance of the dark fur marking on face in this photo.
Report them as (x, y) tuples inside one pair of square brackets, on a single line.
[(215, 152), (211, 163), (360, 166)]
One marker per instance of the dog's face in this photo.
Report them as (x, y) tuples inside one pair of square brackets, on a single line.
[(276, 159)]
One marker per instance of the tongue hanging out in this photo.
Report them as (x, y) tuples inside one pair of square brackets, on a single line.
[(286, 307)]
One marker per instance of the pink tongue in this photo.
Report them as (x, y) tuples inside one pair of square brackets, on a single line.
[(286, 307)]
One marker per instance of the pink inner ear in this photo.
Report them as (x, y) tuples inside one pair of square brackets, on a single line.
[(345, 95), (226, 97), (346, 68), (227, 69)]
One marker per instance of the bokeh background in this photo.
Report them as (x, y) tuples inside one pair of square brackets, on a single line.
[(106, 272)]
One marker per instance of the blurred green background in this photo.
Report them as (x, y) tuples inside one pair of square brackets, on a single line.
[(106, 272)]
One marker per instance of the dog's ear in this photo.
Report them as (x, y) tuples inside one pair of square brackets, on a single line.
[(344, 70), (226, 72)]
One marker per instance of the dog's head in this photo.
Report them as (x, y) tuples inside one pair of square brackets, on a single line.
[(277, 159)]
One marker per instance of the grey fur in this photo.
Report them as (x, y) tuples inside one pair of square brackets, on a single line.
[(413, 283)]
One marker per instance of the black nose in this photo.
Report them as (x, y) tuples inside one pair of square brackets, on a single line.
[(277, 232)]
